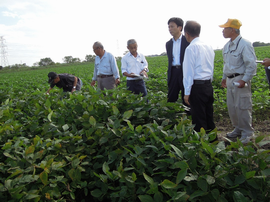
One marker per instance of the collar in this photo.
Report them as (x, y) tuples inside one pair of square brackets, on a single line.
[(138, 55), (104, 56), (195, 39), (235, 41), (178, 38)]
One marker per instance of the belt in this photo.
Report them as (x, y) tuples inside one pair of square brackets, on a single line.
[(135, 80), (177, 66), (233, 75), (201, 81), (104, 76)]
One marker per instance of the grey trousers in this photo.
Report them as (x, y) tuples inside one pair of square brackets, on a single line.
[(107, 82), (239, 105)]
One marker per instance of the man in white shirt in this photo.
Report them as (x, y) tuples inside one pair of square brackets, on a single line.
[(134, 67), (198, 71)]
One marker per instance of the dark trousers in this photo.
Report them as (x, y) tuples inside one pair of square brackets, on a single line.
[(137, 86), (201, 102), (175, 85)]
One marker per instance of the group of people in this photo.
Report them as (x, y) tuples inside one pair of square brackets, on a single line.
[(190, 72)]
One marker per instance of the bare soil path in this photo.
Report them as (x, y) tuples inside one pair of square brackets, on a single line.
[(260, 127)]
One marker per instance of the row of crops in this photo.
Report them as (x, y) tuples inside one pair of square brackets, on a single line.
[(116, 146)]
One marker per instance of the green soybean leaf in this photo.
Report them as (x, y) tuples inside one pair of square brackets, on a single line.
[(177, 151), (148, 179), (239, 179), (31, 196), (92, 121), (239, 197), (167, 184), (44, 177), (158, 197), (215, 193), (250, 174), (202, 184), (65, 127), (127, 114), (266, 172), (75, 163), (72, 195), (115, 110), (262, 143), (181, 175), (105, 167), (259, 138), (210, 180), (196, 194), (145, 198), (50, 116), (208, 148), (180, 195), (96, 193), (134, 177), (30, 150)]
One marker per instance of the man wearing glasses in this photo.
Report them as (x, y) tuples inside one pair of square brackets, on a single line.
[(106, 72), (239, 68)]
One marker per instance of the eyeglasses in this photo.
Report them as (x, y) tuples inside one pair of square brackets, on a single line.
[(94, 49)]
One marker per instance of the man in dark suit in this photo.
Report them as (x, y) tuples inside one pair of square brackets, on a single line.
[(175, 51)]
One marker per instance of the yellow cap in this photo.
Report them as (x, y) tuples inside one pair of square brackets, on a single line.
[(234, 23)]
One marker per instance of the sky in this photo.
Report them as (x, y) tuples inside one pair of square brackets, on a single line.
[(36, 29)]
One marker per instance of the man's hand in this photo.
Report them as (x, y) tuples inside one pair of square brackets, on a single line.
[(93, 83), (73, 89), (144, 73), (186, 98), (223, 83), (242, 84), (266, 62), (117, 81)]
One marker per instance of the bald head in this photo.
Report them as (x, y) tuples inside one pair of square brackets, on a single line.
[(192, 28)]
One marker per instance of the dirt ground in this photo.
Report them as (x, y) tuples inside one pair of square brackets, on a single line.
[(261, 128)]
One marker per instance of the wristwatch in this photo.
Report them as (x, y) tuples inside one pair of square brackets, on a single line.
[(74, 86)]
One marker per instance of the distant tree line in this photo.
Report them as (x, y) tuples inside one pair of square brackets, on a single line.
[(15, 66), (257, 44), (68, 60), (48, 62)]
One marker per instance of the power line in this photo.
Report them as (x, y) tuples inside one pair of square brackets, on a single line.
[(4, 59)]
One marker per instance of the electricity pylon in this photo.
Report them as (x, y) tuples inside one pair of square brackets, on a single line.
[(3, 52)]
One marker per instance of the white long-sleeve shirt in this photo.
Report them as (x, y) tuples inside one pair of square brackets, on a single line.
[(198, 63), (176, 51), (131, 64)]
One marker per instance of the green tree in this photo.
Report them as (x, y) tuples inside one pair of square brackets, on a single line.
[(67, 59), (76, 60), (70, 59), (45, 62), (90, 58)]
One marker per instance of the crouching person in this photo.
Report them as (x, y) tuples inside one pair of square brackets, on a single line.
[(68, 82)]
